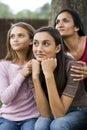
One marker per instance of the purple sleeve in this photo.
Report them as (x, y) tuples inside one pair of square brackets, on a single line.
[(8, 92)]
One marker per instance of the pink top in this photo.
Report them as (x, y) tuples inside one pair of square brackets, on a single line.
[(84, 58), (16, 93)]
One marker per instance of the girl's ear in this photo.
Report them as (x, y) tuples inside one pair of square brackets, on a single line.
[(31, 42), (58, 48), (76, 29)]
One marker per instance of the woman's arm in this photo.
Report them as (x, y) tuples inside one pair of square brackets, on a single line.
[(41, 100), (80, 71)]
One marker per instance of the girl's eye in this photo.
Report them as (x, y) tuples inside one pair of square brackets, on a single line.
[(46, 43), (21, 35), (35, 43), (12, 36)]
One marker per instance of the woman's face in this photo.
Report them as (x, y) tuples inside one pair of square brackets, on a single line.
[(44, 46), (65, 24), (19, 39)]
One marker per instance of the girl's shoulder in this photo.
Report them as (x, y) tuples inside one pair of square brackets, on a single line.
[(70, 61), (4, 63), (69, 57)]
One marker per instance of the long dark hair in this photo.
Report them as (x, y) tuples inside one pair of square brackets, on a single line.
[(76, 18), (59, 72)]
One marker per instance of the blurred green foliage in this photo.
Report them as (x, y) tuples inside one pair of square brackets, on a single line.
[(40, 13)]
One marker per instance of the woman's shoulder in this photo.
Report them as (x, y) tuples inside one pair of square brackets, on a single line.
[(83, 39)]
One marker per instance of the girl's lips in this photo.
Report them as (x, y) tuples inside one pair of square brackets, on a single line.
[(60, 30), (40, 55), (16, 44)]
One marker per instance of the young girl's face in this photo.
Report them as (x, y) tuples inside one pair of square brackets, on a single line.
[(19, 39), (44, 46)]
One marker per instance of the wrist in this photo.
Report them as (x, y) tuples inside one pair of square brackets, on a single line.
[(35, 76), (48, 75)]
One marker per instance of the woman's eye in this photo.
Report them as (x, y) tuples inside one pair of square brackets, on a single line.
[(57, 21), (65, 20)]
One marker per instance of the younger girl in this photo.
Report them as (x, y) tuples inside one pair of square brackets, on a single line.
[(19, 111)]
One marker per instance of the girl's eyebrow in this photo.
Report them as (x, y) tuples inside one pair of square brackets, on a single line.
[(43, 40), (17, 33)]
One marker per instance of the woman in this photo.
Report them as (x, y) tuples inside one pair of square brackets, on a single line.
[(19, 111), (61, 101), (71, 28)]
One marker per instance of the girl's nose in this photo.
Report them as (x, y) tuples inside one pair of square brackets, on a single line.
[(40, 48), (15, 38)]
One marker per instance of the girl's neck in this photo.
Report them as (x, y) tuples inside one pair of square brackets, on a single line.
[(21, 60)]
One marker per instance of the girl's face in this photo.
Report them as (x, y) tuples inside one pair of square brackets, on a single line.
[(65, 24), (19, 39), (44, 46)]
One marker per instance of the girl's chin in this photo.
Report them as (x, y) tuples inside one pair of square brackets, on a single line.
[(41, 59)]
